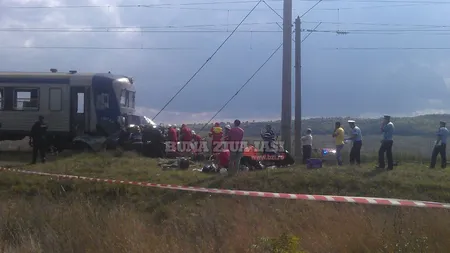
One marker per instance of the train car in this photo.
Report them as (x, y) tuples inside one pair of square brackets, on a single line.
[(74, 104)]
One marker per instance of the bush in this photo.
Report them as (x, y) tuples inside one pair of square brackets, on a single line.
[(283, 244)]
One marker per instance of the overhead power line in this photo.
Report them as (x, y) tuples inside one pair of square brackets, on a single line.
[(212, 3), (387, 5), (376, 24), (243, 86), (133, 5), (102, 48), (388, 48), (256, 72), (206, 62), (137, 30)]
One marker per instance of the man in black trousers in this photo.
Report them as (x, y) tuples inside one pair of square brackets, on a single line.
[(356, 138), (387, 128), (440, 147), (38, 139)]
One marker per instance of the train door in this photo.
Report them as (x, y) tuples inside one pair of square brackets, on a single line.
[(79, 109)]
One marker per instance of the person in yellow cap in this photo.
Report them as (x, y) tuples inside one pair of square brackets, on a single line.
[(339, 136)]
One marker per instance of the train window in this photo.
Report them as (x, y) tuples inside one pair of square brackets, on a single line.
[(102, 101), (55, 101), (132, 99), (2, 101), (26, 99), (123, 98)]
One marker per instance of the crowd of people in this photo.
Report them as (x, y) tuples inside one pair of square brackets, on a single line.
[(387, 129)]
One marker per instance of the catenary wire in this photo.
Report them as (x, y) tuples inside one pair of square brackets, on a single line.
[(243, 86), (256, 72), (215, 3), (206, 62), (247, 82)]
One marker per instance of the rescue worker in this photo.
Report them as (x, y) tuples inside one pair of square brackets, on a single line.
[(268, 137), (356, 138), (196, 140), (387, 128), (226, 132), (307, 145), (250, 157), (186, 138), (172, 138), (38, 139), (216, 133), (223, 159), (236, 149), (440, 146)]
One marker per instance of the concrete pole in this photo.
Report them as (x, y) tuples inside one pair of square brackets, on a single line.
[(298, 91), (286, 92)]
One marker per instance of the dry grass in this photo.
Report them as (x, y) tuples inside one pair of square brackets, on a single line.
[(38, 214), (217, 224)]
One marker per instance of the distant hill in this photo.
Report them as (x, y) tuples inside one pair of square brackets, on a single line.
[(424, 125)]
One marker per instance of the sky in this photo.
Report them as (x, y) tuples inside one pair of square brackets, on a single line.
[(365, 58)]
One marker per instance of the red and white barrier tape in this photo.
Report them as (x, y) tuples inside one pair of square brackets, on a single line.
[(329, 198)]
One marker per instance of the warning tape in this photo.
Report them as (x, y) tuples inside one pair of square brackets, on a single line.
[(325, 198)]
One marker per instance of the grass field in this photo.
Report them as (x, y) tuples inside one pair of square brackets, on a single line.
[(38, 214)]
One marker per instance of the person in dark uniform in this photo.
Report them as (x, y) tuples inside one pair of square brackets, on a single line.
[(38, 139), (440, 146)]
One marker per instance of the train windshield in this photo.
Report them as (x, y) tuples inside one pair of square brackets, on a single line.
[(140, 120), (128, 99)]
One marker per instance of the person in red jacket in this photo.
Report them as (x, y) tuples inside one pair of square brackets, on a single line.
[(223, 158), (185, 138), (216, 133), (196, 139), (172, 137)]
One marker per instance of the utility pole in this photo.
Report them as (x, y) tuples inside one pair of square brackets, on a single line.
[(298, 90), (286, 96)]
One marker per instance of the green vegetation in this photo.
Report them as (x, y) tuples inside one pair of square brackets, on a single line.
[(425, 125), (39, 214)]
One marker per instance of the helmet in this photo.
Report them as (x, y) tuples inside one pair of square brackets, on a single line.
[(228, 127), (193, 132)]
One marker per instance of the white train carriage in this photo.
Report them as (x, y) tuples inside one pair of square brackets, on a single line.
[(72, 103)]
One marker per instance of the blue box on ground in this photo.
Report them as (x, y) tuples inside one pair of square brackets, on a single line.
[(314, 163)]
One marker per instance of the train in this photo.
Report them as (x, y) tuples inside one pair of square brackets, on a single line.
[(78, 107)]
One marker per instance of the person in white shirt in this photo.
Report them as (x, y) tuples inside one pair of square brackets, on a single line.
[(307, 145), (356, 138)]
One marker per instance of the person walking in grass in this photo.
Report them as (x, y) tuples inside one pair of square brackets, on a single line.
[(235, 137), (356, 138), (440, 147), (387, 128), (339, 136)]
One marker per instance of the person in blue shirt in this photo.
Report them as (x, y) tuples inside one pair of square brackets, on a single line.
[(356, 138), (387, 128), (440, 147)]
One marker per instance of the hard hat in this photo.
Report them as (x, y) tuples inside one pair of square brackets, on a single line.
[(227, 127), (351, 121)]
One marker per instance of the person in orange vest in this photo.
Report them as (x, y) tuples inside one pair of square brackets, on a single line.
[(250, 157), (216, 133)]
